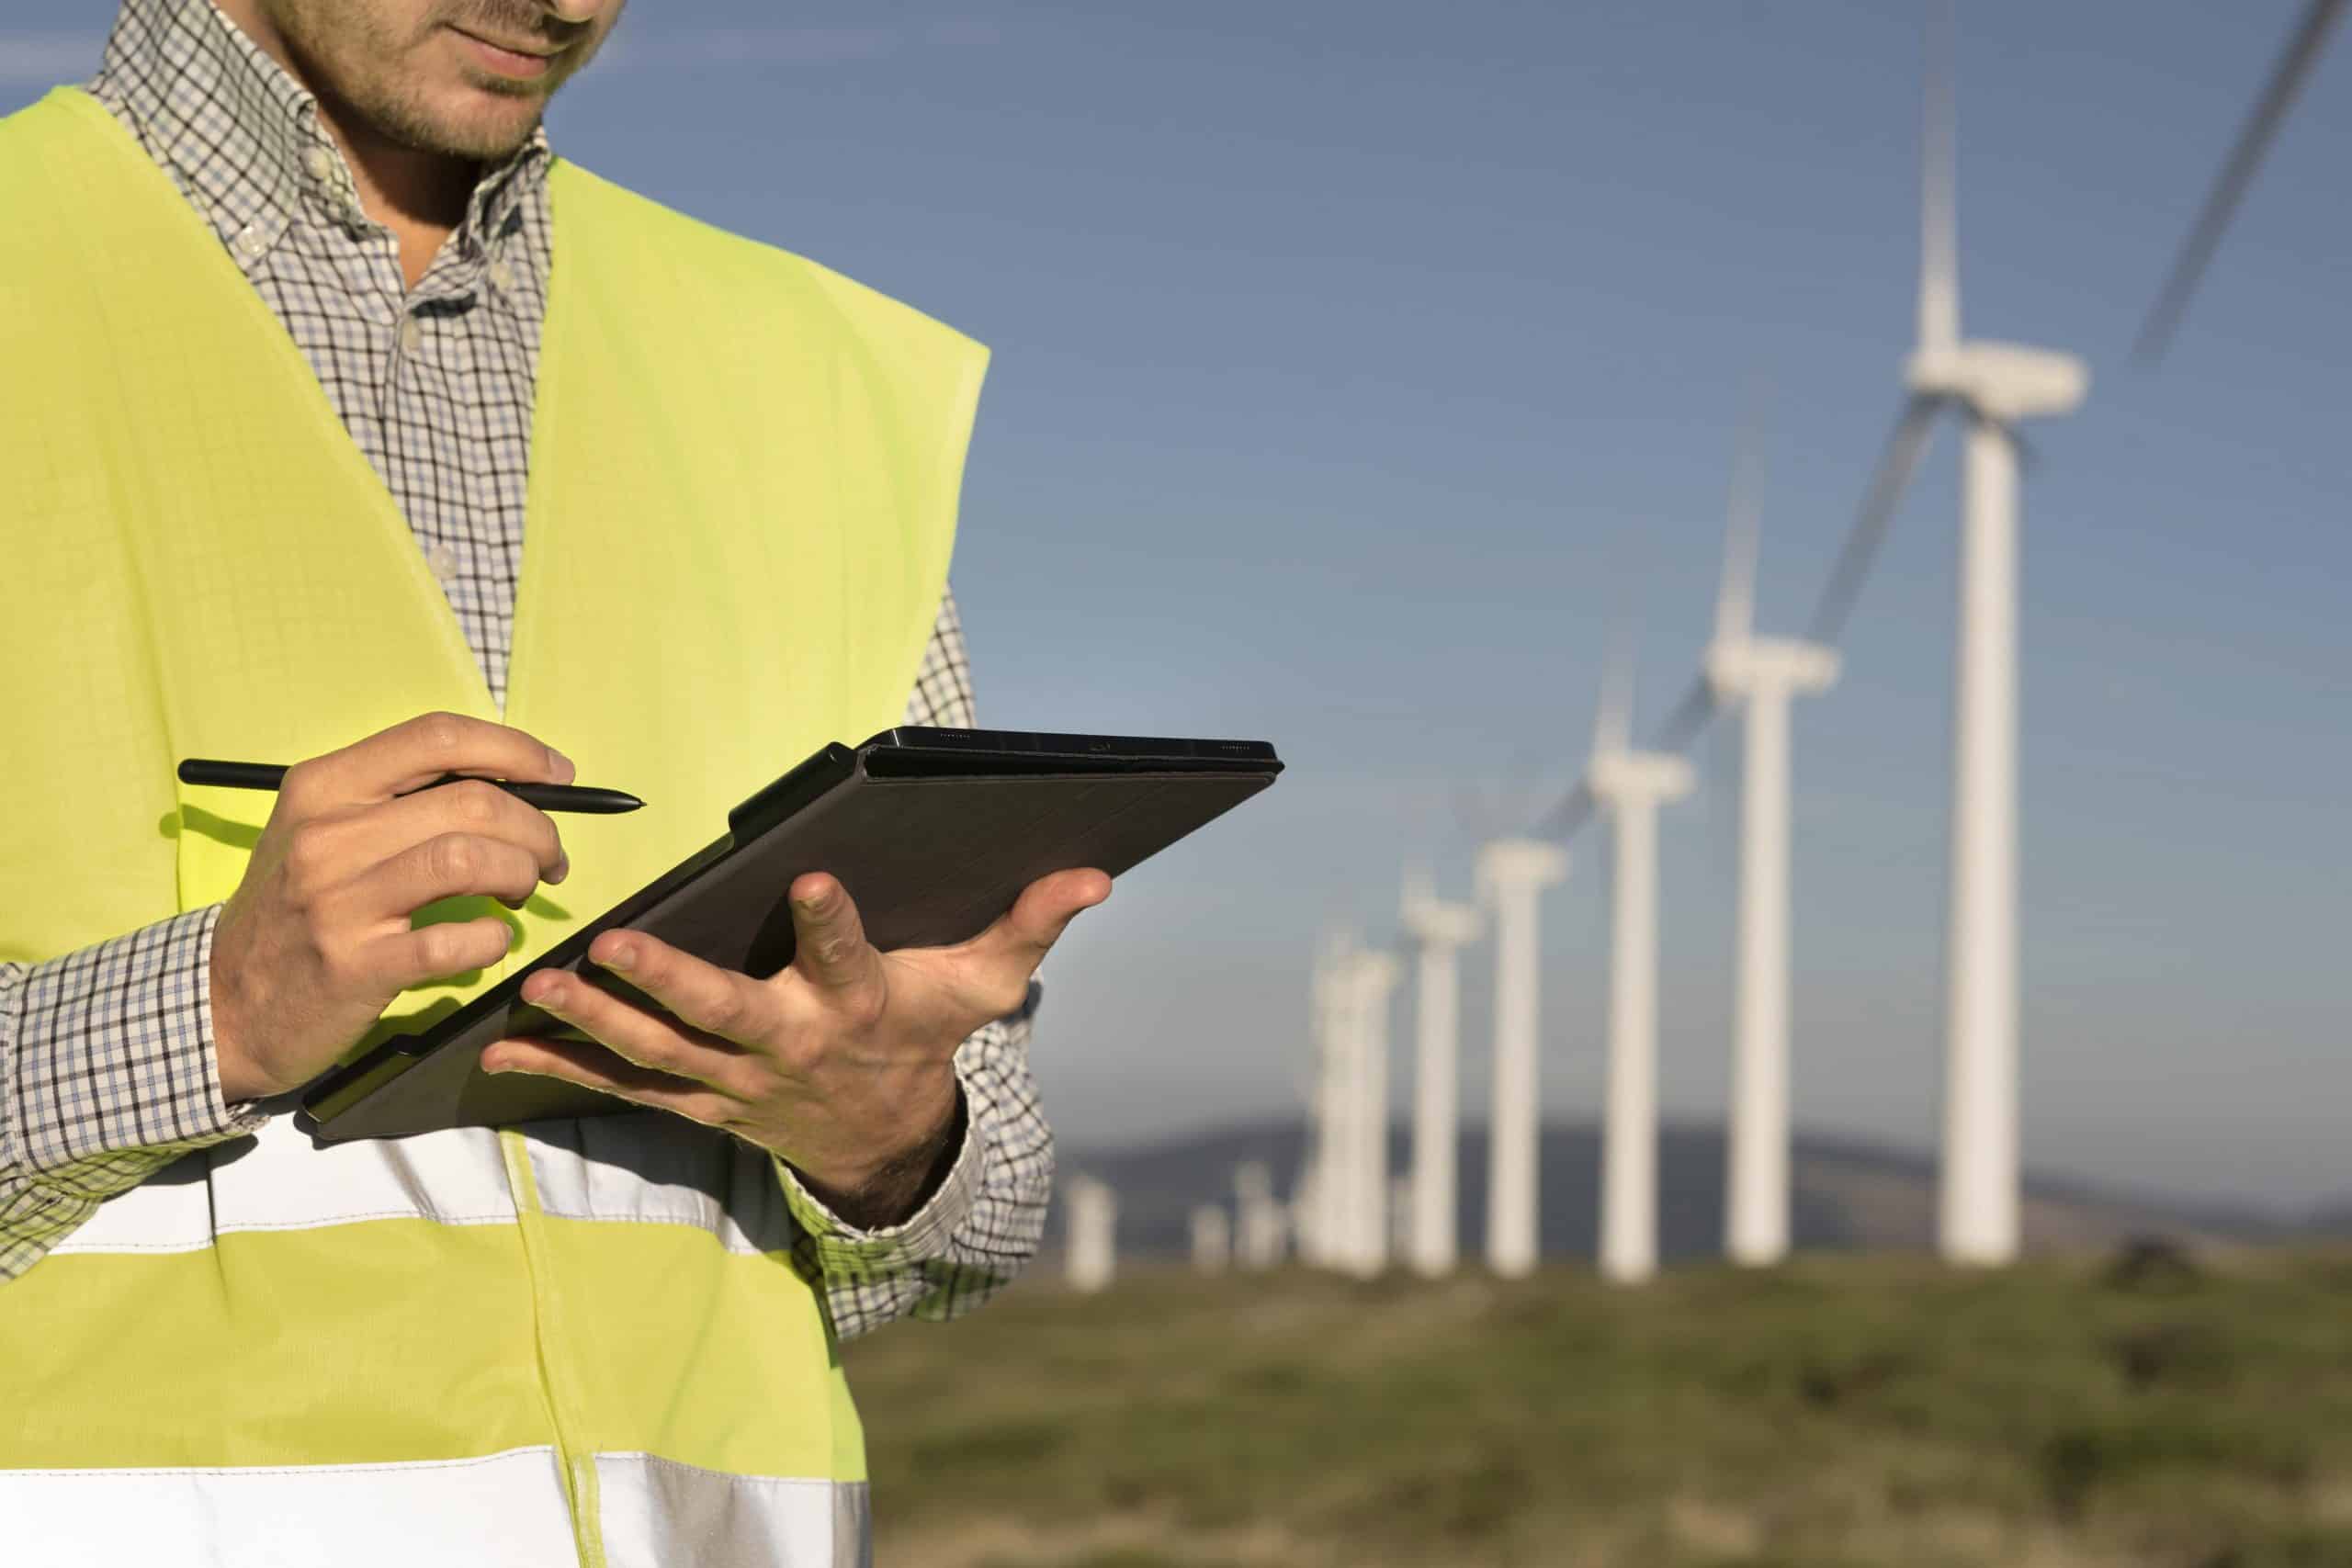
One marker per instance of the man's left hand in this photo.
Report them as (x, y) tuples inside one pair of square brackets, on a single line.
[(842, 1063)]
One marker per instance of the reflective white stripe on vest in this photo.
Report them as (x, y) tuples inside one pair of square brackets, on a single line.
[(500, 1511), (646, 1166), (280, 1181), (651, 1504), (656, 1168)]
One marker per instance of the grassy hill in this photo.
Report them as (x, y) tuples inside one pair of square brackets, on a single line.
[(1848, 1410)]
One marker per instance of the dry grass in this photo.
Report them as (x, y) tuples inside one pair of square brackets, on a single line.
[(1841, 1411)]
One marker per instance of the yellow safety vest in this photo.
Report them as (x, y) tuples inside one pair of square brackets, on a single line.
[(580, 1341)]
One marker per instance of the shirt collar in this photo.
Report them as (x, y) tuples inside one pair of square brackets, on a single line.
[(244, 139)]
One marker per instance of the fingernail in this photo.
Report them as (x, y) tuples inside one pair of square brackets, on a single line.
[(562, 868), (621, 958), (560, 765)]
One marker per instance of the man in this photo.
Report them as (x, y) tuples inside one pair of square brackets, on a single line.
[(340, 421)]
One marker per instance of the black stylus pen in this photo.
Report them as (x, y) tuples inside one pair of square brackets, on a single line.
[(545, 796)]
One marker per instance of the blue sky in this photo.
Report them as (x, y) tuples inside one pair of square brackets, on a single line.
[(1360, 366)]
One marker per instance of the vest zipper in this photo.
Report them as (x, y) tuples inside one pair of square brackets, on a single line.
[(577, 1468)]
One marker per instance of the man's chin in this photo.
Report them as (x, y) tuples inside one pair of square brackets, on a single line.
[(485, 125)]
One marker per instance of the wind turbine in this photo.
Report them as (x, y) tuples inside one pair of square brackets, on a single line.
[(1439, 930), (1258, 1219), (1991, 386), (1091, 1212), (1511, 876), (1370, 977), (1630, 786), (1322, 1219), (1760, 676)]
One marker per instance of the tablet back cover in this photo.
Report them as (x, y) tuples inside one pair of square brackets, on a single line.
[(930, 861)]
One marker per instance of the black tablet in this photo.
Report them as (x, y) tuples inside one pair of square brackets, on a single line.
[(934, 833)]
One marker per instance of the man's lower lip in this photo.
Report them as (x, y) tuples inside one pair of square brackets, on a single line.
[(506, 61)]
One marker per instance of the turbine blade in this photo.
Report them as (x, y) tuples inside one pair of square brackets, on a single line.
[(1612, 722), (1736, 595), (1689, 717), (1903, 447), (1572, 813), (1939, 226), (2286, 81)]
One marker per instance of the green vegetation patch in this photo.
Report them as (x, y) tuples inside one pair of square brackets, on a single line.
[(1845, 1410)]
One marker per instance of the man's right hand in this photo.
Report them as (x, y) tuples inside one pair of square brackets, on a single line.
[(315, 942)]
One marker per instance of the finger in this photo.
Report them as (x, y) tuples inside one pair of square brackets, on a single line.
[(702, 994), (418, 750), (645, 1039), (447, 865), (592, 1066), (1027, 932), (470, 805), (435, 951), (830, 949)]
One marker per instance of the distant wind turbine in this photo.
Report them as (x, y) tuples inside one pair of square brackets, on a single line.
[(1991, 386), (1439, 930), (1630, 786), (1370, 976), (1758, 676), (1511, 876)]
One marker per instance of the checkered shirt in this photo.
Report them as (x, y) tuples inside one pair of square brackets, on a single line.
[(107, 1064)]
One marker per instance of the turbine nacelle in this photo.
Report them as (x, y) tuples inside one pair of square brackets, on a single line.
[(1509, 864), (1741, 666), (1625, 778), (2000, 381), (1434, 923)]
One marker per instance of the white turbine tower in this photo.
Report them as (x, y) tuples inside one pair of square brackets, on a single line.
[(1439, 930), (1511, 876), (1370, 976), (1321, 1201), (1258, 1219), (1091, 1218), (1758, 676), (1211, 1238), (1991, 386), (1630, 786)]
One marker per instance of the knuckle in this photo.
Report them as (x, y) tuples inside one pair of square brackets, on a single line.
[(723, 1012), (300, 784), (437, 948), (652, 1052), (743, 1081), (454, 859), (476, 801), (308, 859), (801, 1055), (440, 733)]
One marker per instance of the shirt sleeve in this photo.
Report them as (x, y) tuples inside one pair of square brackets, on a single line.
[(985, 1219), (106, 1074)]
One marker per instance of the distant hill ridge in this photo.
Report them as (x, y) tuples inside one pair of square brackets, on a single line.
[(1850, 1193)]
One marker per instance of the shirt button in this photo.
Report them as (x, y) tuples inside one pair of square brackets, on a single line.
[(501, 275), (444, 564), (321, 163), (251, 241), (412, 335)]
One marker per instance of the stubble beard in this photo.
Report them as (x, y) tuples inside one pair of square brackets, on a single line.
[(357, 59)]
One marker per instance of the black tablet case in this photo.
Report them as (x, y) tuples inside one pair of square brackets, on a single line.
[(934, 832)]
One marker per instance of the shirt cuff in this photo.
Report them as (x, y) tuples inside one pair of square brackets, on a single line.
[(114, 1052), (846, 1252)]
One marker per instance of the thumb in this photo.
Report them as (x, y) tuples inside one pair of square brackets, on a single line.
[(1029, 929)]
